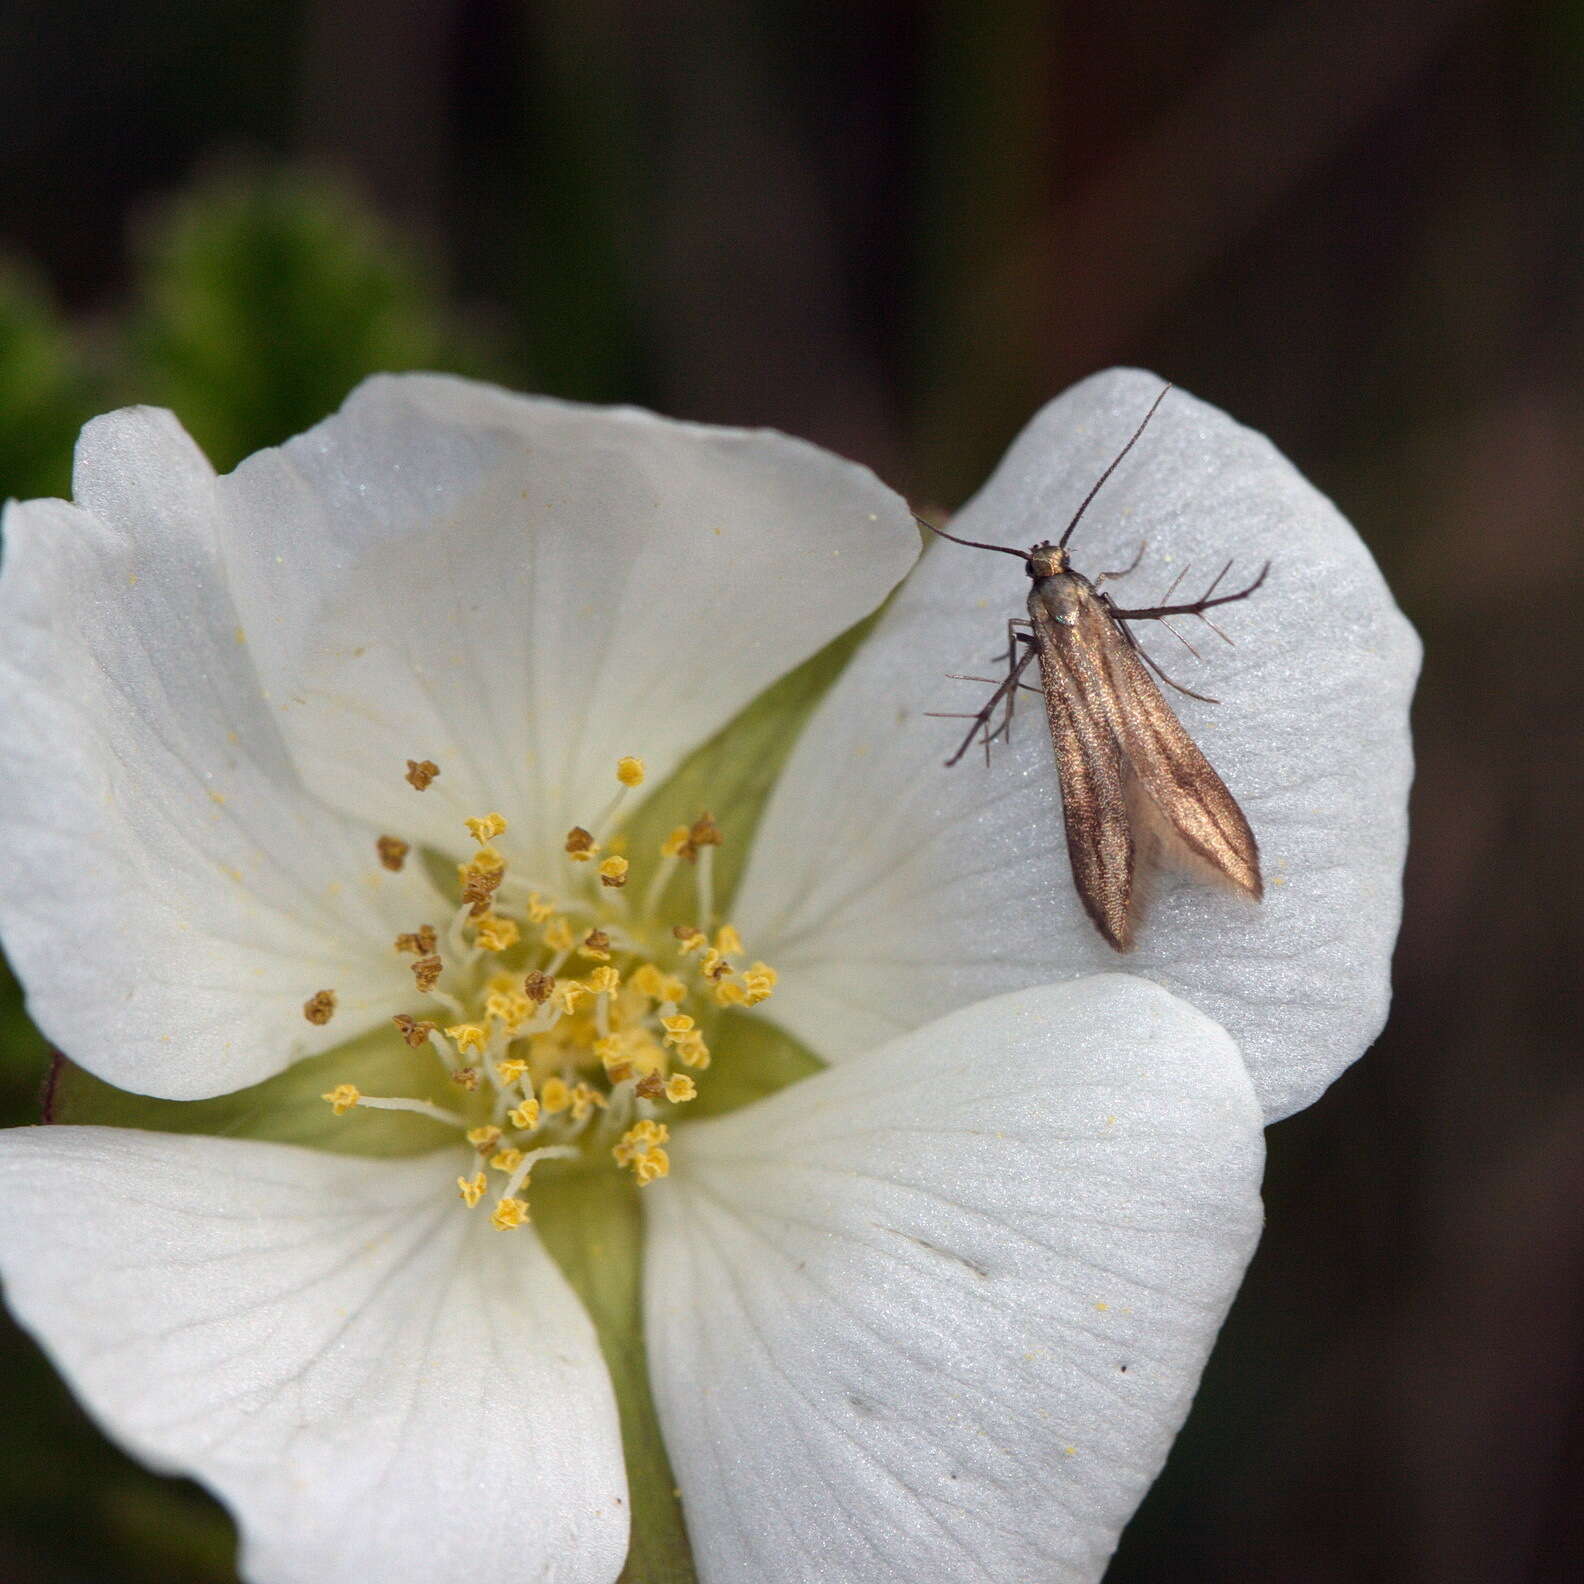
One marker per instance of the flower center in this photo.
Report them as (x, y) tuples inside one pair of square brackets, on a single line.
[(565, 1014)]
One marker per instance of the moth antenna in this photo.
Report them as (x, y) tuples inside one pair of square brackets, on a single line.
[(1115, 461), (973, 544)]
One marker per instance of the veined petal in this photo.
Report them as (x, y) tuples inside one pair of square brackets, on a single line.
[(937, 1313), (887, 888), (170, 893), (379, 1385), (524, 590)]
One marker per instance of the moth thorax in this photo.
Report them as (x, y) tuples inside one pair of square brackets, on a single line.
[(1047, 560)]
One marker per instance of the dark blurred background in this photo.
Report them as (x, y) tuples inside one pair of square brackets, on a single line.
[(896, 228)]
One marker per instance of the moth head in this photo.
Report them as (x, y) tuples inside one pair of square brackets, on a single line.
[(1047, 560)]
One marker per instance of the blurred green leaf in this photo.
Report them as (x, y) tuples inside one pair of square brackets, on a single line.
[(43, 394), (264, 299)]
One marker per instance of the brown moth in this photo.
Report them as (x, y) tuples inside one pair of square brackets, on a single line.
[(1136, 791)]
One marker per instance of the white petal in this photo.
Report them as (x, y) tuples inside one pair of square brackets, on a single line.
[(377, 1383), (938, 1313), (887, 888), (169, 892), (523, 591)]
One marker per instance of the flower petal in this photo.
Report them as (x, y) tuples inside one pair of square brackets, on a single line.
[(524, 590), (888, 889), (378, 1384), (169, 892), (938, 1313)]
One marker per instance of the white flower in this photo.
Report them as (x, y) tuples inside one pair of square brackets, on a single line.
[(936, 1311)]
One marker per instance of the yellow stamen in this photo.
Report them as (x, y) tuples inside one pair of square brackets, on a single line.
[(320, 1007), (496, 933), (509, 1213), (469, 1037), (392, 852), (630, 771), (484, 1139), (484, 828), (613, 872), (342, 1098), (506, 1160), (471, 1189), (525, 1116), (679, 1088)]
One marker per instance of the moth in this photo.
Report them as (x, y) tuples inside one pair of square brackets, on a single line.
[(1136, 791)]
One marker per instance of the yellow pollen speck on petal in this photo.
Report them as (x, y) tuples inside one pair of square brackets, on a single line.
[(525, 1116), (320, 1007), (580, 845), (496, 933), (509, 1213), (506, 1160), (554, 1096), (673, 845), (471, 1188), (630, 771), (342, 1098), (613, 872), (484, 828), (604, 981), (679, 1088), (469, 1037), (421, 773), (484, 1139)]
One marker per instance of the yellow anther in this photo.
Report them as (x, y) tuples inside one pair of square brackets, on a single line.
[(509, 1213), (596, 945), (525, 1116), (712, 965), (558, 936), (580, 845), (426, 971), (566, 995), (603, 981), (496, 933), (630, 771), (342, 1098), (554, 1096), (679, 1087), (693, 1052), (469, 1037), (647, 979), (651, 1166), (511, 1069), (506, 1160), (689, 940), (610, 1048), (672, 846), (613, 872), (420, 772), (510, 1007), (466, 1078), (537, 987), (641, 1136), (420, 942), (727, 941), (673, 989), (485, 828), (538, 909), (586, 1099), (415, 1031), (471, 1189), (729, 993), (677, 1027), (484, 1139)]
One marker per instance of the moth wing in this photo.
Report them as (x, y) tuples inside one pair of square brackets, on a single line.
[(1090, 765), (1176, 791)]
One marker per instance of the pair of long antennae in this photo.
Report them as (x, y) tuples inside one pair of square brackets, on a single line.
[(1023, 555)]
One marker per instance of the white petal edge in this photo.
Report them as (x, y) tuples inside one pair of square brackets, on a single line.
[(524, 590), (378, 1384), (888, 889), (170, 893), (937, 1314)]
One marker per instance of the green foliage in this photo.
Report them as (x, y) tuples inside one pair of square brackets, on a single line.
[(43, 395), (264, 300)]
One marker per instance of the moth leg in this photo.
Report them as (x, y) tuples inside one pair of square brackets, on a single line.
[(1132, 566), (981, 718), (1194, 607), (1148, 659)]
